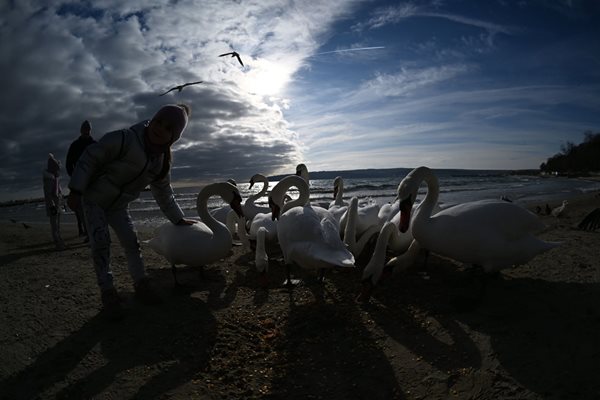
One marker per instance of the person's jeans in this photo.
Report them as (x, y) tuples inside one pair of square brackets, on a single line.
[(98, 222)]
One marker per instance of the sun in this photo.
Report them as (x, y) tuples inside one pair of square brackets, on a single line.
[(266, 78)]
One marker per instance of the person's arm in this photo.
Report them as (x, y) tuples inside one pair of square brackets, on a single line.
[(164, 196), (94, 157)]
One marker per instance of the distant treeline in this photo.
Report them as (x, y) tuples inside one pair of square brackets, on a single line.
[(575, 159)]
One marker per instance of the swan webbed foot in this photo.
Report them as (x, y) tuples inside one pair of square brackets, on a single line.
[(291, 283)]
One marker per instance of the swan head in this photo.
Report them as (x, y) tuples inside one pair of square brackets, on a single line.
[(336, 185), (302, 171), (408, 190), (232, 196), (277, 195), (369, 283)]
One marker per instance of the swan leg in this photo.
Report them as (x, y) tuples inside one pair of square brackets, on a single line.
[(321, 276), (174, 271), (289, 282)]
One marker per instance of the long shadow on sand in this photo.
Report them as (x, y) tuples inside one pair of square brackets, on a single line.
[(544, 334), (161, 346), (329, 354)]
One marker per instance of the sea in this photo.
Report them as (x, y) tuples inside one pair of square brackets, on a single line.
[(369, 185)]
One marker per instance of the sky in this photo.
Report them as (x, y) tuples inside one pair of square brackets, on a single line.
[(337, 84)]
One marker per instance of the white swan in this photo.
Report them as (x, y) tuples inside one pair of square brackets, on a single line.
[(367, 218), (261, 260), (302, 171), (377, 269), (350, 236), (388, 211), (560, 210), (338, 206), (307, 238), (493, 234), (203, 242), (251, 209)]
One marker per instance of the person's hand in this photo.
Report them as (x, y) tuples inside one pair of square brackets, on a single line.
[(185, 221), (73, 201)]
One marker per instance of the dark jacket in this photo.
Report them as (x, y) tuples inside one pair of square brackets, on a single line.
[(113, 172), (76, 150)]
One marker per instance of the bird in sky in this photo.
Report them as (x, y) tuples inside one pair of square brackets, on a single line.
[(180, 87), (233, 54)]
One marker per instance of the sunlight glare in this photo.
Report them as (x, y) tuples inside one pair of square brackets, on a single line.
[(266, 78)]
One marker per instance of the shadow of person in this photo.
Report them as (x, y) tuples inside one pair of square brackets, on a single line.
[(327, 353), (152, 351)]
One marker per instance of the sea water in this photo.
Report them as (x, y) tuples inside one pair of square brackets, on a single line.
[(375, 185)]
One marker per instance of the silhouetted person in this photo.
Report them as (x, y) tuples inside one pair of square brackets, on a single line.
[(111, 174), (53, 199), (75, 151)]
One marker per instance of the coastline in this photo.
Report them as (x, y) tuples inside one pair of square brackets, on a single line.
[(533, 336)]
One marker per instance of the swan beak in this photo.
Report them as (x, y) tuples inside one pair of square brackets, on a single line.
[(405, 209), (251, 183)]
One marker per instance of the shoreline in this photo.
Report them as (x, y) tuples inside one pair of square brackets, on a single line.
[(532, 336)]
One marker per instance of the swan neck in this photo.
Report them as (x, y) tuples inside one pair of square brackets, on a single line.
[(339, 196), (431, 198), (303, 193), (201, 206), (350, 229), (261, 193)]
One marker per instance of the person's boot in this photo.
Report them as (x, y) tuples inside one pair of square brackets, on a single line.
[(146, 293), (111, 304)]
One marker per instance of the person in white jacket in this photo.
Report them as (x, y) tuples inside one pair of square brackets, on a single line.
[(108, 176), (54, 199)]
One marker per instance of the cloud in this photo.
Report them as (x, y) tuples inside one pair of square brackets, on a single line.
[(394, 14), (107, 61)]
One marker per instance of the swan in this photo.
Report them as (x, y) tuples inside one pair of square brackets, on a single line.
[(261, 260), (356, 247), (307, 237), (201, 243), (251, 209), (302, 171), (377, 269), (493, 234), (338, 206), (560, 210), (388, 211), (367, 217)]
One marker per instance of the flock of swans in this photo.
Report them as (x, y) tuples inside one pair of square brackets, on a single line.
[(493, 234)]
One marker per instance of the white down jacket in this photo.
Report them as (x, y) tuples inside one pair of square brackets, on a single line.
[(113, 172)]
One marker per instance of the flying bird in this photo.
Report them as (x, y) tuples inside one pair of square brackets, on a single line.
[(180, 87), (233, 54)]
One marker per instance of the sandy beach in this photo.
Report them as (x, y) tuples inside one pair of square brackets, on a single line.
[(533, 335)]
